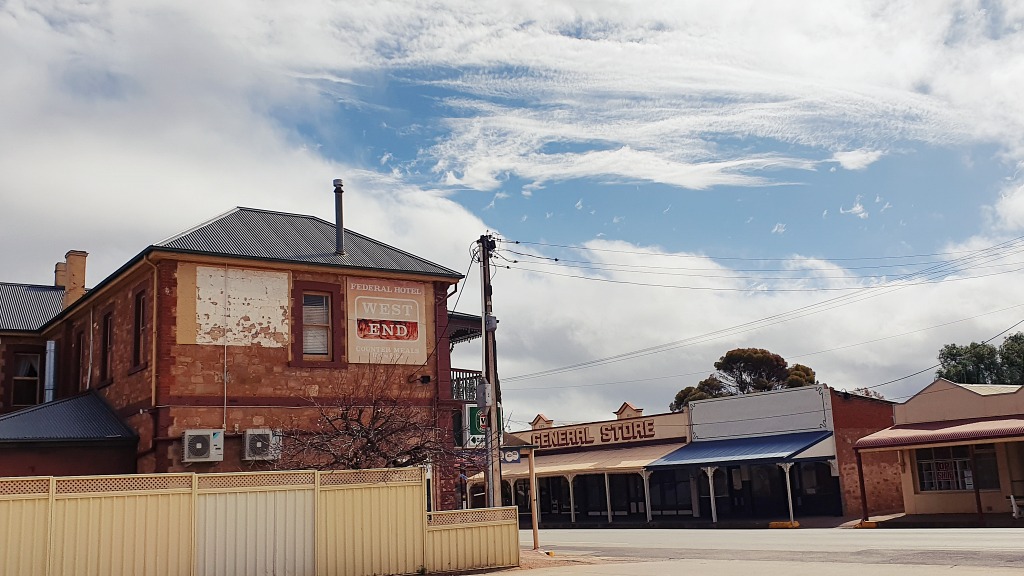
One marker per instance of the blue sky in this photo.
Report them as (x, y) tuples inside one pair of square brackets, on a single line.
[(750, 159)]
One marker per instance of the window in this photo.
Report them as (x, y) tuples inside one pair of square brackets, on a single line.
[(316, 325), (949, 468), (25, 386), (139, 330), (107, 354)]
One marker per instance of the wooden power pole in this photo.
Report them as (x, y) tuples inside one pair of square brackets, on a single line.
[(490, 370)]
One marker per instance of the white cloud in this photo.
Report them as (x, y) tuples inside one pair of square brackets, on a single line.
[(667, 208), (779, 228), (617, 219), (857, 209), (857, 159), (824, 214), (885, 207), (127, 122), (385, 158), (524, 218), (1008, 212)]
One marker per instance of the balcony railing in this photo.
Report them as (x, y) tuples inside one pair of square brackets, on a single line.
[(464, 384)]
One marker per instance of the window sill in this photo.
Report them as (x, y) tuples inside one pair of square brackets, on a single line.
[(138, 368), (301, 363), (964, 491)]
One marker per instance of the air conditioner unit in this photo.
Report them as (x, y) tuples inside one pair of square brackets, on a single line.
[(202, 445), (262, 444)]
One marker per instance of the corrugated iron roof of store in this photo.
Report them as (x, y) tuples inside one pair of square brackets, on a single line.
[(86, 417), (26, 307), (282, 236)]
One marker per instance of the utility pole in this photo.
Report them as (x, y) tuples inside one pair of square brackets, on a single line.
[(489, 323)]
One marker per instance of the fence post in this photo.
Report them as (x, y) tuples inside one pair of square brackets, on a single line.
[(193, 553), (49, 524), (317, 545)]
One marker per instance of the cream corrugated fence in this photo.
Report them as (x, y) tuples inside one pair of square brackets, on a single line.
[(298, 523)]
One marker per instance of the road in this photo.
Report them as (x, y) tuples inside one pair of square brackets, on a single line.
[(906, 552)]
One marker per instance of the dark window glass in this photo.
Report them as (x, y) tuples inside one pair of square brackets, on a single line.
[(26, 382)]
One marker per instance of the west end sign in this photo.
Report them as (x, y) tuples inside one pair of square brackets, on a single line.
[(660, 427)]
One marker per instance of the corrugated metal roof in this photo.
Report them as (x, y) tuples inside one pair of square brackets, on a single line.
[(86, 417), (26, 307), (266, 234), (989, 389), (777, 448), (947, 431)]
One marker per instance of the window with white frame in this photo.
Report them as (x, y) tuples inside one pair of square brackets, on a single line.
[(316, 325)]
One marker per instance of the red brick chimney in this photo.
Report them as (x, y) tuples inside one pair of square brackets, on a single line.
[(74, 276)]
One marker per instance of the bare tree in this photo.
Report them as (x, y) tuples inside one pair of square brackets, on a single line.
[(377, 419)]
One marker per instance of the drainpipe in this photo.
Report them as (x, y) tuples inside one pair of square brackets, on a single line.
[(572, 500), (51, 362)]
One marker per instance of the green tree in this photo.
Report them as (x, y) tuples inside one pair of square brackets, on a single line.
[(1011, 359), (743, 371), (976, 363)]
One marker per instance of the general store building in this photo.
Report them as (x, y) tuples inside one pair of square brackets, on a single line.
[(722, 459)]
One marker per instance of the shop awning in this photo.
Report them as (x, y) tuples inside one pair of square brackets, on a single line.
[(617, 460), (969, 431), (753, 450)]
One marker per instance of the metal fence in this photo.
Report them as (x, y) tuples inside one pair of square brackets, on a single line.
[(363, 522)]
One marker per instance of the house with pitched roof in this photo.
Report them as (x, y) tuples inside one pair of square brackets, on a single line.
[(960, 449), (205, 343)]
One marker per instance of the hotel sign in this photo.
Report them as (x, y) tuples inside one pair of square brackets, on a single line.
[(613, 432), (387, 321)]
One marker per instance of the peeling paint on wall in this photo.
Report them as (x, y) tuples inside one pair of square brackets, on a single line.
[(249, 307)]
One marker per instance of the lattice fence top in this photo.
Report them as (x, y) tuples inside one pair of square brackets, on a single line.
[(93, 484), (343, 477), (25, 487), (473, 516), (256, 480)]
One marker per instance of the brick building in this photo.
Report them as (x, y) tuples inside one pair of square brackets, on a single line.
[(234, 326)]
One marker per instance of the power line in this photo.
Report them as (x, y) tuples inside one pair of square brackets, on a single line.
[(800, 312), (804, 355), (673, 255), (752, 289), (657, 270)]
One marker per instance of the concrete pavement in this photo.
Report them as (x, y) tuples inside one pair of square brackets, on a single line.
[(752, 568)]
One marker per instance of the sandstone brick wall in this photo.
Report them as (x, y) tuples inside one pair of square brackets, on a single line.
[(263, 387), (855, 417)]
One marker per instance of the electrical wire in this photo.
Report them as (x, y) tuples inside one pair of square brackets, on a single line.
[(989, 254), (735, 258)]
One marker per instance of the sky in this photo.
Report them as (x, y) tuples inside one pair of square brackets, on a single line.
[(841, 183)]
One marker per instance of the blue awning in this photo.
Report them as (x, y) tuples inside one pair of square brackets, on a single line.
[(753, 450)]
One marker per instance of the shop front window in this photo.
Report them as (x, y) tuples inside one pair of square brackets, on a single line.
[(949, 468)]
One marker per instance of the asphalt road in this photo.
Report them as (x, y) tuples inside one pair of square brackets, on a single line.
[(870, 551)]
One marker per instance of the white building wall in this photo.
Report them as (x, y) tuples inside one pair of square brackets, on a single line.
[(792, 410)]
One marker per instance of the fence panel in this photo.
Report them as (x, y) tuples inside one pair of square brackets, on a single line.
[(364, 522), (24, 526), (122, 525), (472, 539), (372, 522), (260, 523)]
